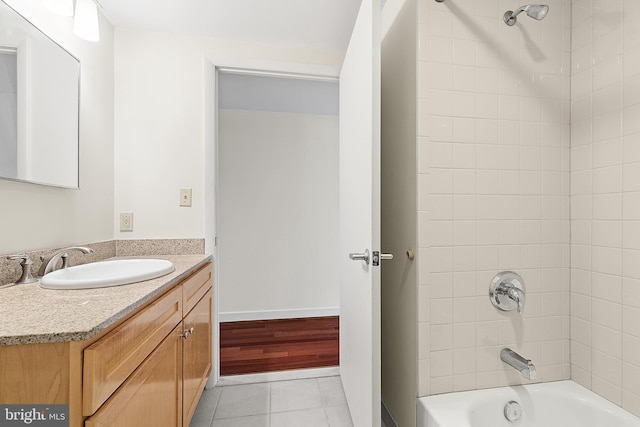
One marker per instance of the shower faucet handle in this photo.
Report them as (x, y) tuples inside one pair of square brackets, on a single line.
[(507, 292)]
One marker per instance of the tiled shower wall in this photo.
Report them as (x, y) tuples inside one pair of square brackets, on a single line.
[(493, 190), (605, 199)]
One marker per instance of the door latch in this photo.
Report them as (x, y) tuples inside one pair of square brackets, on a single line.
[(377, 256)]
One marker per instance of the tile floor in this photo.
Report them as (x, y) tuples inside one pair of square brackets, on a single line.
[(315, 402)]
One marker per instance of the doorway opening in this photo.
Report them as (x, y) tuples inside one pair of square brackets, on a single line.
[(277, 221)]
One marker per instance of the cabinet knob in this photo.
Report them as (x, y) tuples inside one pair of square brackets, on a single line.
[(187, 332)]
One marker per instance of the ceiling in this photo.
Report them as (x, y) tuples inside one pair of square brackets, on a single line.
[(318, 24)]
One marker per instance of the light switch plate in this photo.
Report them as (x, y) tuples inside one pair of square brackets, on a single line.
[(185, 197)]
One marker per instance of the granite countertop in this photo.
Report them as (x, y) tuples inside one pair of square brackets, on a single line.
[(30, 314)]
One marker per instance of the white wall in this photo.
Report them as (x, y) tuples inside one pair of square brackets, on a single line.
[(160, 114), (36, 217), (278, 211), (605, 199)]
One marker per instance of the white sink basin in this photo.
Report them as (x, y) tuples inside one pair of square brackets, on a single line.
[(106, 273)]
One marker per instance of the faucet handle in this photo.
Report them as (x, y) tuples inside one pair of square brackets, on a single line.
[(23, 257), (25, 263), (506, 292), (517, 295)]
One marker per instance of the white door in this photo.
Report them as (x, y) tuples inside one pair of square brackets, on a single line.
[(360, 218)]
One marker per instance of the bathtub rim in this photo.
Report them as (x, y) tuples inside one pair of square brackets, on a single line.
[(461, 405)]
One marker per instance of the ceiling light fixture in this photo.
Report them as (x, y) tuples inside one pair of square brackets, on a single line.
[(85, 23), (60, 7)]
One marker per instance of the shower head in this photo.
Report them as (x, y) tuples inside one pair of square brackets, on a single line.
[(535, 11)]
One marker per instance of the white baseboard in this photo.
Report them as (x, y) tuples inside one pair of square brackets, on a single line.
[(239, 316)]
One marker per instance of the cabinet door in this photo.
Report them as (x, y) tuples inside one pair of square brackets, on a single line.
[(110, 361), (196, 355), (151, 396)]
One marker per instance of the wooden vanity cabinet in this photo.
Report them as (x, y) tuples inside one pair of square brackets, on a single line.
[(148, 370), (165, 387), (196, 355)]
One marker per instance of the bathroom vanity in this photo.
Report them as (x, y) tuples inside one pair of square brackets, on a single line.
[(142, 358)]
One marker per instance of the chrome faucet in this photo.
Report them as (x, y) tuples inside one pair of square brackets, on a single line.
[(507, 292), (49, 263), (525, 366)]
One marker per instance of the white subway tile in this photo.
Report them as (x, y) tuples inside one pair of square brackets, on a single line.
[(423, 340), (440, 23), (440, 49), (581, 356), (606, 287), (464, 335), (631, 321), (464, 104), (440, 102), (607, 126), (631, 263), (631, 402), (441, 363), (462, 361), (631, 378), (631, 204), (440, 286), (606, 389), (464, 155), (631, 235), (631, 349), (464, 233), (440, 181), (607, 153), (607, 314), (607, 206), (464, 52), (631, 92), (607, 72), (606, 260), (486, 131), (441, 311), (581, 331), (606, 340), (631, 292), (442, 384)]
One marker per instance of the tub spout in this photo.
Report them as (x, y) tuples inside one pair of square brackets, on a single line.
[(525, 366)]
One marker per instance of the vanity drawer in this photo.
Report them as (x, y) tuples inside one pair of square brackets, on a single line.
[(195, 287), (109, 361), (152, 395)]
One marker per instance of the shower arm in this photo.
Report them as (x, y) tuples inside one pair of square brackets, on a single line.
[(510, 16), (520, 10)]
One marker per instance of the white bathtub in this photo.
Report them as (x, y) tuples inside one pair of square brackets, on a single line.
[(556, 404)]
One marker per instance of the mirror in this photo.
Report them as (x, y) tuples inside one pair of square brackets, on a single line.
[(39, 105)]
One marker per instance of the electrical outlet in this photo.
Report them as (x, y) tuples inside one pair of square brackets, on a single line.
[(185, 197), (126, 221)]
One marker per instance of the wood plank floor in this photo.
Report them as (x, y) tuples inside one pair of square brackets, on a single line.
[(278, 345)]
